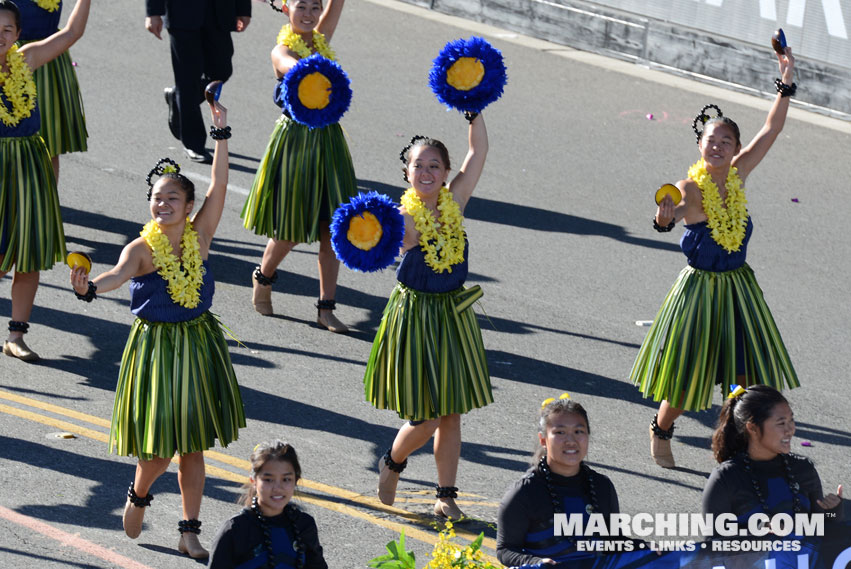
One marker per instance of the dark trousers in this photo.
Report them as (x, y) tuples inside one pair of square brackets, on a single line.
[(198, 57)]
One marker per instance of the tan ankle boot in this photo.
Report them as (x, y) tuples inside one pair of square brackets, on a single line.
[(445, 506), (660, 445), (189, 543), (388, 478), (134, 512), (262, 293), (325, 317)]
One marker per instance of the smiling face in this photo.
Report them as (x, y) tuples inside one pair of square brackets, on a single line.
[(426, 171), (718, 145), (775, 434), (275, 484), (304, 14), (168, 202), (9, 31), (566, 439)]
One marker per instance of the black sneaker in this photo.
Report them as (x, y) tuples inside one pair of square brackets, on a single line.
[(202, 157), (173, 114)]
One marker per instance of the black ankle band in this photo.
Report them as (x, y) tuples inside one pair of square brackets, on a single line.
[(326, 304), (191, 526), (136, 500), (659, 432), (393, 465), (15, 326), (447, 491), (263, 279)]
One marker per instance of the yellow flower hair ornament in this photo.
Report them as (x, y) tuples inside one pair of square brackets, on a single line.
[(549, 400), (163, 166), (184, 277), (736, 390), (443, 239), (18, 89)]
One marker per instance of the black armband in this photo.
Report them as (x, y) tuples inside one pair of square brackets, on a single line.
[(90, 294)]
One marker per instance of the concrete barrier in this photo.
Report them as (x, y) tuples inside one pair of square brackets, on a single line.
[(600, 29)]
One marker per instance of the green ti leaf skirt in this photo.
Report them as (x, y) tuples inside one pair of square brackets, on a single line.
[(63, 119), (428, 360), (177, 391), (31, 235), (305, 174), (712, 327)]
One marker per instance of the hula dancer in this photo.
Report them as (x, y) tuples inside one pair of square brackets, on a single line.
[(306, 172), (428, 362), (714, 326), (63, 120), (756, 472), (560, 482), (176, 392), (31, 235)]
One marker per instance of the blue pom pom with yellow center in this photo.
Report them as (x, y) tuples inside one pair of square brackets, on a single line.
[(315, 92), (367, 232), (468, 75)]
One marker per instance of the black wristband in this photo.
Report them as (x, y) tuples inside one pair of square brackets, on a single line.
[(470, 116), (665, 229), (90, 294), (784, 89), (220, 133)]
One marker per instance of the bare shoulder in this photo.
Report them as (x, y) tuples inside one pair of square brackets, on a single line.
[(138, 256), (689, 189)]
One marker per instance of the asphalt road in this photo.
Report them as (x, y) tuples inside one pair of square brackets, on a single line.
[(562, 245)]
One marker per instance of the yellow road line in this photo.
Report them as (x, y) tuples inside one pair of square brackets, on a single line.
[(366, 501), (63, 425), (54, 408)]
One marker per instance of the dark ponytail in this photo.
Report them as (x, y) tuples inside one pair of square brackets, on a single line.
[(755, 406)]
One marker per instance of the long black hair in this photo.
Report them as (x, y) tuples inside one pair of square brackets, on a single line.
[(755, 406)]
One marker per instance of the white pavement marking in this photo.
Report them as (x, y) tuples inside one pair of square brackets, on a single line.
[(207, 180)]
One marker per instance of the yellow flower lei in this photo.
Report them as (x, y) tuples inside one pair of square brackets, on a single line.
[(295, 42), (18, 88), (441, 240), (727, 225), (183, 287), (49, 5)]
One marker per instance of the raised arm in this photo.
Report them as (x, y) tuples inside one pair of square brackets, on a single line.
[(207, 219), (752, 154), (38, 53), (330, 18), (465, 181)]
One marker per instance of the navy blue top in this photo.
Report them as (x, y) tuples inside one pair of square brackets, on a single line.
[(240, 543), (730, 488), (705, 254), (149, 298), (37, 23), (525, 529), (413, 272), (27, 127)]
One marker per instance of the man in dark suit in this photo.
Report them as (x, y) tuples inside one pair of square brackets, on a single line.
[(201, 51)]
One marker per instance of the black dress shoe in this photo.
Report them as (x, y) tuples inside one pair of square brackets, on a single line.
[(173, 114), (203, 156)]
